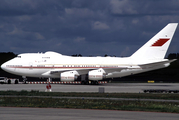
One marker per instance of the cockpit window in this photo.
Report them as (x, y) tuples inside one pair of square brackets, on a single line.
[(18, 56)]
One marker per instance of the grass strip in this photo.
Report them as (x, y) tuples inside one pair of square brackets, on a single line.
[(165, 96), (89, 104)]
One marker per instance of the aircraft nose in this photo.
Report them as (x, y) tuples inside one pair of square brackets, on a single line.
[(3, 66)]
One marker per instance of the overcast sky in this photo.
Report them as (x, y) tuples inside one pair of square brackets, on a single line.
[(87, 27)]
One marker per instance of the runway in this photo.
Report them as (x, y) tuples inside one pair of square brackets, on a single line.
[(108, 88), (8, 113)]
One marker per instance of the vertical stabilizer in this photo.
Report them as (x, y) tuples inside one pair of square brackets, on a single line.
[(156, 47)]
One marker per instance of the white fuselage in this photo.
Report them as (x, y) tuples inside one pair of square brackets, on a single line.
[(39, 65)]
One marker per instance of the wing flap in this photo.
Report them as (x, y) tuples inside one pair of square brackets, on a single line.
[(110, 70)]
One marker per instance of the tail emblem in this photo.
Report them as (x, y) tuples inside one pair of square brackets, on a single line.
[(160, 42)]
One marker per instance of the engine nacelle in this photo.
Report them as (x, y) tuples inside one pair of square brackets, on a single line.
[(96, 74), (69, 76)]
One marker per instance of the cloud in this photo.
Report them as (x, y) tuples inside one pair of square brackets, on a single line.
[(39, 36), (23, 18), (107, 26), (122, 7), (59, 44), (79, 39), (80, 12), (99, 26), (125, 52), (24, 34)]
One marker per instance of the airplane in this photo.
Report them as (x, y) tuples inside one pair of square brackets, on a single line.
[(54, 65)]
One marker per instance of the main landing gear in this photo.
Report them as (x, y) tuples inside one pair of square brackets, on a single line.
[(49, 80), (24, 79), (87, 82), (94, 83)]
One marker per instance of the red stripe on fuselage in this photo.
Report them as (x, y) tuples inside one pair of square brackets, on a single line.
[(60, 67), (160, 42)]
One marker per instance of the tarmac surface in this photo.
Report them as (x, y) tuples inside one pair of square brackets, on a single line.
[(108, 88), (9, 113)]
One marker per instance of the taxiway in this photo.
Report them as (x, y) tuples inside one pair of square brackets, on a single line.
[(7, 113), (108, 88)]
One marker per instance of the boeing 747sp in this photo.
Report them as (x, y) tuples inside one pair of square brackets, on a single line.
[(54, 65)]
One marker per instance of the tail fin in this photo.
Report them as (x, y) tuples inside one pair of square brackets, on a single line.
[(157, 46)]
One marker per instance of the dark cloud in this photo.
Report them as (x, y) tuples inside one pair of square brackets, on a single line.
[(87, 27)]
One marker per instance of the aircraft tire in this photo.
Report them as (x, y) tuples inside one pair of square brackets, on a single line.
[(16, 81), (9, 81), (82, 82)]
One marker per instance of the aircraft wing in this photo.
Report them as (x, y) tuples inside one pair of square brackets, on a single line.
[(82, 71), (58, 71), (110, 70), (150, 65)]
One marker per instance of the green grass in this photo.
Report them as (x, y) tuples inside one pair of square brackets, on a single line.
[(28, 99), (106, 95), (89, 104)]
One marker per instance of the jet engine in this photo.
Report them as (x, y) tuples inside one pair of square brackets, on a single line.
[(96, 74), (69, 76)]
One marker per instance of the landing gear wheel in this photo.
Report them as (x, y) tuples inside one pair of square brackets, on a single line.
[(9, 82), (24, 79), (16, 82), (85, 82), (94, 82), (82, 82)]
